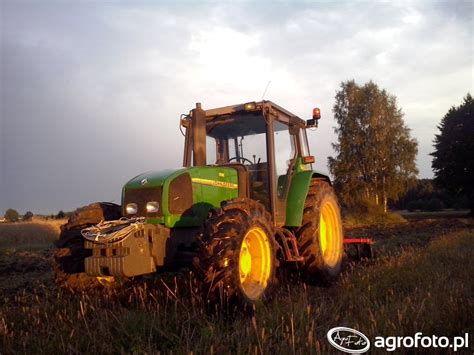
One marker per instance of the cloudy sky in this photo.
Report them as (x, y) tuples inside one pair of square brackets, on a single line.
[(91, 92)]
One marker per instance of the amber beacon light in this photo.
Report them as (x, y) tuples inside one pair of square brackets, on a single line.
[(316, 113), (316, 116)]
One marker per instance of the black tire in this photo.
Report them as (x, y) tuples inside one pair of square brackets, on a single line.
[(224, 251), (321, 246), (70, 253)]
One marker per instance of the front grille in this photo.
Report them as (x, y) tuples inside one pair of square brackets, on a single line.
[(141, 197), (180, 194)]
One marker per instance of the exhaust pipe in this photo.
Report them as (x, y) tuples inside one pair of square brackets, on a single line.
[(198, 122)]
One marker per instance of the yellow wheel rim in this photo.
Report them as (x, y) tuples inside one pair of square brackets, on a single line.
[(106, 281), (330, 233), (255, 263)]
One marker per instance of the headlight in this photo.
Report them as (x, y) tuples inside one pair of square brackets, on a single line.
[(152, 207), (131, 208)]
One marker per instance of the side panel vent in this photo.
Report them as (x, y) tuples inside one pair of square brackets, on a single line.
[(180, 194)]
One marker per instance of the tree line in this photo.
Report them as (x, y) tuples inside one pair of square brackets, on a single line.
[(426, 195), (375, 161), (11, 215)]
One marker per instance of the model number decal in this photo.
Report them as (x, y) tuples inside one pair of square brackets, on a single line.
[(224, 184)]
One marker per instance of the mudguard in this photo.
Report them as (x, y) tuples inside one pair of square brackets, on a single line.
[(297, 195)]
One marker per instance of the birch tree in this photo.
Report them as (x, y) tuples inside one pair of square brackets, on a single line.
[(375, 154)]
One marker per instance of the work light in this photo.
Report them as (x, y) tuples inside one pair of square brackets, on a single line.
[(152, 207), (131, 208), (250, 106)]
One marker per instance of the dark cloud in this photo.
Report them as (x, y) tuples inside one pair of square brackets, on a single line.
[(91, 92)]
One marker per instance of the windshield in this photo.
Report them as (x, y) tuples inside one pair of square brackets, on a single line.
[(238, 139), (236, 126)]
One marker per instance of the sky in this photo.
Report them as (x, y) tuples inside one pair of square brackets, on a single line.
[(91, 92)]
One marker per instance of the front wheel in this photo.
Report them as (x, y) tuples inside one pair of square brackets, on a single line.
[(70, 253), (237, 259)]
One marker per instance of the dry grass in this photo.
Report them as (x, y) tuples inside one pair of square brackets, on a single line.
[(357, 220), (25, 254), (411, 287), (36, 234)]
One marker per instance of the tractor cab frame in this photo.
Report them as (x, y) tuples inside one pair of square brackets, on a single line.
[(265, 143)]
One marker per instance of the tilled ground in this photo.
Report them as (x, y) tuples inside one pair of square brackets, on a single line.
[(404, 291), (415, 231), (21, 271), (25, 270), (415, 226)]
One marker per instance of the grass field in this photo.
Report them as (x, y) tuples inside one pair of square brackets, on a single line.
[(421, 281), (37, 234)]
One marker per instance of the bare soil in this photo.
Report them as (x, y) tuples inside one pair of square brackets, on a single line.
[(420, 281)]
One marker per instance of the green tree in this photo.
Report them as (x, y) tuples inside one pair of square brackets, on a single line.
[(28, 216), (453, 158), (12, 215), (375, 158)]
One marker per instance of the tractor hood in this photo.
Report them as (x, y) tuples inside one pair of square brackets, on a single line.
[(179, 197), (151, 178)]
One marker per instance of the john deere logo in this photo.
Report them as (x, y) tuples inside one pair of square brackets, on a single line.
[(348, 340), (144, 181)]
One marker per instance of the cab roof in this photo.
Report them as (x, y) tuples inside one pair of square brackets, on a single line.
[(266, 106)]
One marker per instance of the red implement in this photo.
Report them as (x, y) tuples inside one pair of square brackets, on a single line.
[(359, 248), (358, 241)]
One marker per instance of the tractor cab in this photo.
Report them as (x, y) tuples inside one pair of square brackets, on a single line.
[(265, 143)]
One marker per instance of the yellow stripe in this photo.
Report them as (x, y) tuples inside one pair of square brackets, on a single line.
[(224, 184)]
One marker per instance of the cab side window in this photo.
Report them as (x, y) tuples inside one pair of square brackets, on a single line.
[(284, 155)]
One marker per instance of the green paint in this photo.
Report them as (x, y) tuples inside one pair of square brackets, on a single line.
[(205, 197), (153, 178), (298, 192), (300, 167), (296, 197)]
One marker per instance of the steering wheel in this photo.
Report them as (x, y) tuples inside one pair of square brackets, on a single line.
[(240, 159)]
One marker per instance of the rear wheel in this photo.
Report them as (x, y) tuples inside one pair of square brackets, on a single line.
[(237, 254), (70, 255), (320, 238)]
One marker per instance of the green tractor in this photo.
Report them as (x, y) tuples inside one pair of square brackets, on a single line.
[(245, 202)]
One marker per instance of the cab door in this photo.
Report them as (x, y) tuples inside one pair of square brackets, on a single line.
[(284, 141)]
